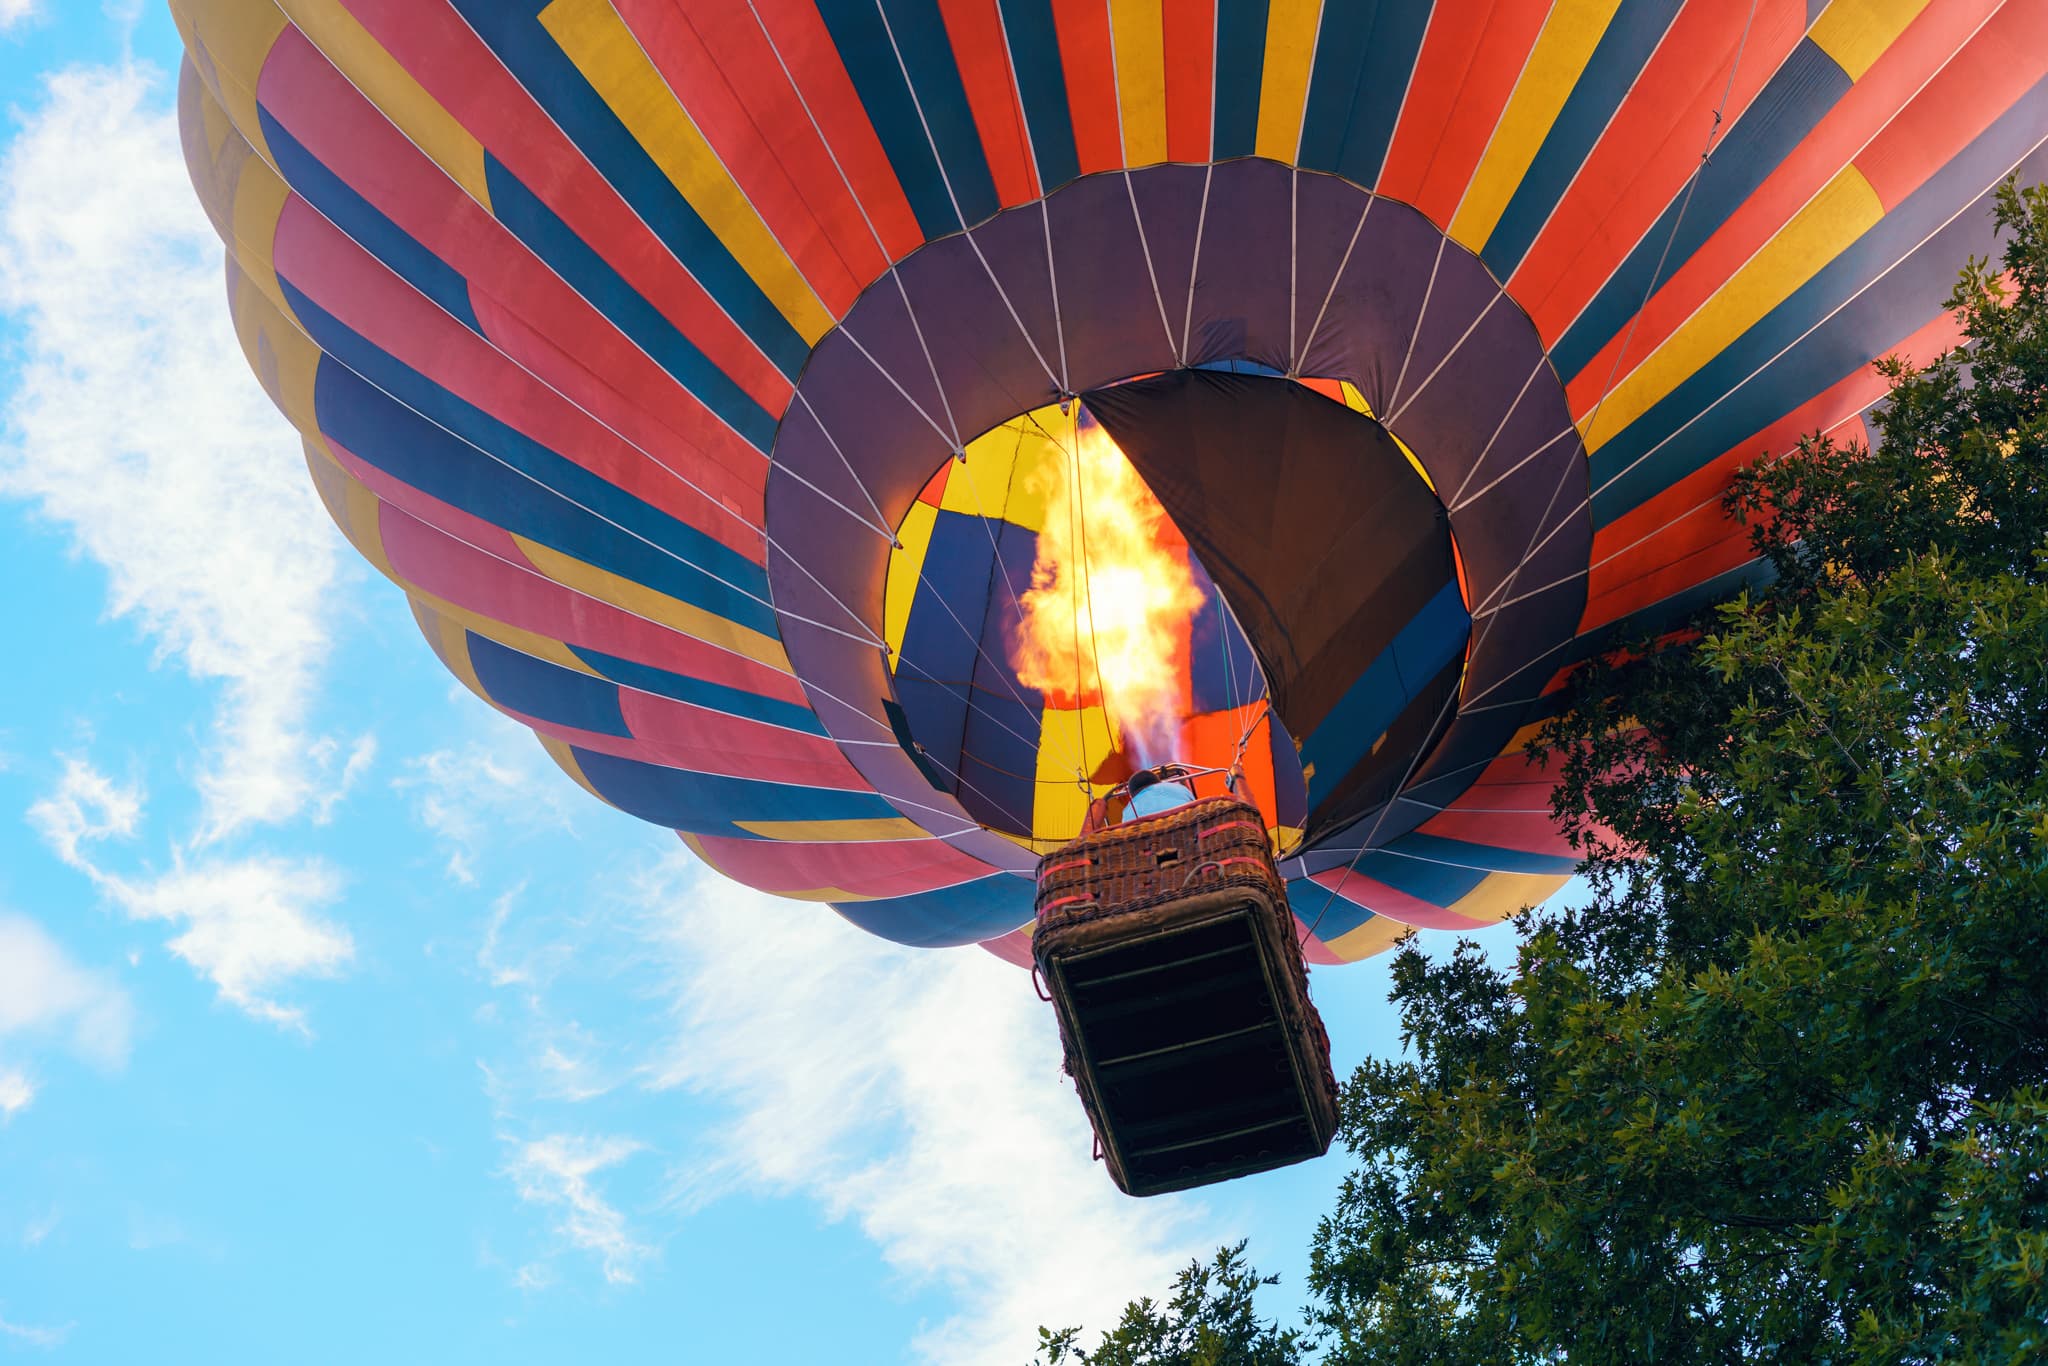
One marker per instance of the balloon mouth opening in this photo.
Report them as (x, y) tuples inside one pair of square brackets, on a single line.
[(1052, 629)]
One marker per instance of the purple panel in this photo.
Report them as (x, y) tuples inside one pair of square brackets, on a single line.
[(1328, 215), (1243, 276), (1110, 315), (1373, 311), (1170, 206)]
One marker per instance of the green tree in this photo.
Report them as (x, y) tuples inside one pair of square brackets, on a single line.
[(1780, 1090)]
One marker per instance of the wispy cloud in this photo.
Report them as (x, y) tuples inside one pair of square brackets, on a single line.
[(558, 1172), (942, 1123), (29, 1335), (250, 925), (469, 796), (16, 1091), (135, 427), (16, 12), (42, 991)]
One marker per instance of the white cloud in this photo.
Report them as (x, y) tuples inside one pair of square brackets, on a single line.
[(940, 1121), (136, 427), (247, 924), (16, 1091), (16, 12), (470, 796), (556, 1172), (28, 1335), (86, 807), (44, 993)]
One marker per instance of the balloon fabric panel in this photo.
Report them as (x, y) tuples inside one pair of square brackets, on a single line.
[(639, 342)]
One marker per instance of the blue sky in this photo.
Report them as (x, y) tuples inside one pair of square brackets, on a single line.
[(336, 1025)]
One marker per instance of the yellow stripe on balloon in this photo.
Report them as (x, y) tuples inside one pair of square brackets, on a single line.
[(905, 565), (565, 759), (284, 358), (450, 644), (1856, 32), (1283, 87), (1562, 50), (1845, 209), (873, 830), (593, 36), (228, 41), (1067, 738), (349, 46), (1138, 33), (1375, 936), (1501, 895), (657, 607)]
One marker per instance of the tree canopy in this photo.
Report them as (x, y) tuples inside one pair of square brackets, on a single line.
[(1779, 1089)]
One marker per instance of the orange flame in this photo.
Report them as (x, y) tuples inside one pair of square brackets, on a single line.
[(1105, 619)]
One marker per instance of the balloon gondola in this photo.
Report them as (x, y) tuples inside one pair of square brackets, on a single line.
[(756, 399)]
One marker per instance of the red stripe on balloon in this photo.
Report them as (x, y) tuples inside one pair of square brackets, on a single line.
[(363, 294), (717, 745), (1380, 899), (1471, 57), (798, 39), (1190, 43), (1681, 538), (438, 564), (885, 868), (1920, 51), (439, 49), (975, 30), (1650, 148), (1088, 61)]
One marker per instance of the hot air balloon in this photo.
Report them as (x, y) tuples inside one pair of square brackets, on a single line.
[(726, 384)]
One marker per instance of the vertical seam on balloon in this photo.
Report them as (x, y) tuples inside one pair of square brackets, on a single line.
[(575, 147), (1684, 188), (880, 524), (1473, 176), (1401, 109), (938, 385), (1308, 86), (996, 566), (1421, 316), (1580, 168), (1848, 163), (1511, 470), (546, 266), (1023, 115), (1109, 22), (1052, 274), (1004, 295), (1860, 292), (657, 463), (924, 123), (1457, 496), (1294, 250), (1195, 262), (1309, 342), (1137, 220)]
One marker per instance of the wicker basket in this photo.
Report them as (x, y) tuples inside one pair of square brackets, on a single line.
[(1183, 1002)]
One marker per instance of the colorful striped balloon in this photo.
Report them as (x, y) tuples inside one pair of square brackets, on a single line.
[(692, 366)]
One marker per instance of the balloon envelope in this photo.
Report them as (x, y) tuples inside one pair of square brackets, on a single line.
[(687, 365)]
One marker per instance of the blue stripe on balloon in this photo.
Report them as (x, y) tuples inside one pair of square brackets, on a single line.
[(364, 222), (1623, 50), (1692, 425), (698, 692), (963, 914), (419, 433), (514, 32), (920, 32), (865, 50), (546, 691), (1042, 89), (589, 274), (1345, 737), (712, 804), (1240, 70), (1365, 54), (1486, 857), (1796, 98)]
